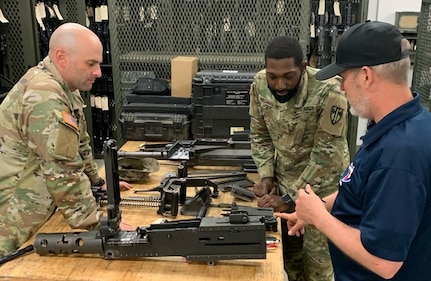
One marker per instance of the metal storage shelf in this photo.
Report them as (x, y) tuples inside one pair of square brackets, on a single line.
[(209, 58)]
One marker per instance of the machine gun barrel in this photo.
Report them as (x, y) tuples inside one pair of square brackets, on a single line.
[(69, 243)]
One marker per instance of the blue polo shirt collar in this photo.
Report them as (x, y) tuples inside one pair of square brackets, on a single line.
[(375, 131)]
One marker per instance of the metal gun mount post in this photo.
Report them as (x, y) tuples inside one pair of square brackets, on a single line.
[(110, 225)]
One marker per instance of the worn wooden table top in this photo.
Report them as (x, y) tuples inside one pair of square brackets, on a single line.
[(93, 267)]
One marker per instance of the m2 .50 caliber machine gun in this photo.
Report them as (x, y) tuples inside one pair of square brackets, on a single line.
[(202, 239)]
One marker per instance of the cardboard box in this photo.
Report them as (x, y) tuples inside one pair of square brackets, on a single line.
[(183, 69)]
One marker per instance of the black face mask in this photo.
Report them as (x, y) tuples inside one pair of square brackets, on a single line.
[(290, 93)]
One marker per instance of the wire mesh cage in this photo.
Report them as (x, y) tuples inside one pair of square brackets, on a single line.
[(145, 35), (21, 47), (422, 72), (23, 41), (224, 34)]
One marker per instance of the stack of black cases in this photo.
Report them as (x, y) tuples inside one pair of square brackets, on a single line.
[(221, 103), (156, 118)]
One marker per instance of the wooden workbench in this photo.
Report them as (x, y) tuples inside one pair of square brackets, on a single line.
[(34, 267)]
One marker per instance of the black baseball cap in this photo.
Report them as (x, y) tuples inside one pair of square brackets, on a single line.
[(365, 44)]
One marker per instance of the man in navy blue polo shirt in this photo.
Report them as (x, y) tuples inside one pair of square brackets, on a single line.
[(379, 220)]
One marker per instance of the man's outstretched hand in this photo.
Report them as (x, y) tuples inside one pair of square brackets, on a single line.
[(295, 225)]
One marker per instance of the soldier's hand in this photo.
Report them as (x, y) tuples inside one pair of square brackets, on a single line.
[(125, 185), (124, 226), (272, 201), (265, 186)]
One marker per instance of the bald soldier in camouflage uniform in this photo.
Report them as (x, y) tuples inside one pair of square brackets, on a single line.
[(46, 160), (298, 136)]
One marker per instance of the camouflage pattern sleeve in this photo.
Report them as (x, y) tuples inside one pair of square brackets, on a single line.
[(261, 143), (85, 151), (91, 169), (53, 132), (329, 154)]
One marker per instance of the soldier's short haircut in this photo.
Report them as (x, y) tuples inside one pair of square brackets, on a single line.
[(283, 47)]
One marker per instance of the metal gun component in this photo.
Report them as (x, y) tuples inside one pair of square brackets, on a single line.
[(242, 193), (135, 201), (173, 188), (142, 198), (202, 239), (101, 197), (18, 253), (198, 205), (266, 214), (173, 193), (223, 152), (206, 239), (227, 186)]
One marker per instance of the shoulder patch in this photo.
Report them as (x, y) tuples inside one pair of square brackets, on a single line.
[(334, 116), (69, 120), (63, 143)]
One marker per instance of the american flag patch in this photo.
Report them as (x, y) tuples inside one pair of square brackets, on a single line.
[(68, 119)]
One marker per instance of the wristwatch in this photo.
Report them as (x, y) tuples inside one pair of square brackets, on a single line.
[(289, 201), (100, 182)]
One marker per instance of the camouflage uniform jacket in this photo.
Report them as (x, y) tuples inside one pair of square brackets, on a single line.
[(303, 140), (46, 157)]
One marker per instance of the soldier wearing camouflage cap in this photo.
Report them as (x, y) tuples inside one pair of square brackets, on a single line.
[(46, 158), (298, 136)]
